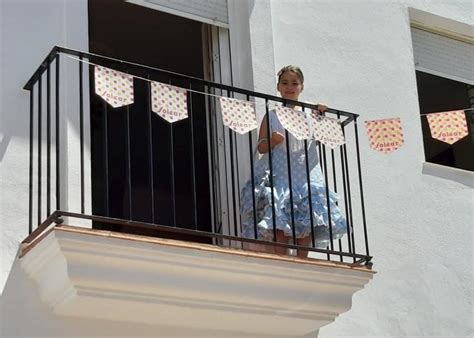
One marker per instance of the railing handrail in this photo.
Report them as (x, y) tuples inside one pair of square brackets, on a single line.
[(58, 49)]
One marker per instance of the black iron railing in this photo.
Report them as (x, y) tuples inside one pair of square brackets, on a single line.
[(338, 165)]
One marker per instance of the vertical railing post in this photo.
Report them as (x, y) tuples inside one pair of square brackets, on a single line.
[(232, 174), (193, 164), (346, 200), (328, 198), (39, 146), (270, 165), (48, 141), (106, 160), (350, 219), (81, 132), (150, 155), (252, 177), (173, 191), (361, 188), (129, 164), (57, 126), (30, 196), (310, 197)]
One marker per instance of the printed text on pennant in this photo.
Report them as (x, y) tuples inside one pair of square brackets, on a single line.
[(385, 135), (449, 126), (169, 102), (328, 131), (116, 88), (238, 115)]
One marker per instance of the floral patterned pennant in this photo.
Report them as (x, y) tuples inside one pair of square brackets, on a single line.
[(328, 131), (294, 121), (169, 102), (449, 127), (238, 115), (115, 87), (385, 135)]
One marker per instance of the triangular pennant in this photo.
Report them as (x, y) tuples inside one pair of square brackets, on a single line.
[(385, 135), (238, 115), (328, 131), (294, 121), (169, 102), (115, 87), (449, 127)]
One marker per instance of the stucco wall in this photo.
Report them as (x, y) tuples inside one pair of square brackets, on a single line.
[(357, 56), (29, 30)]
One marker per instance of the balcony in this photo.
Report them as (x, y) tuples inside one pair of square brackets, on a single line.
[(139, 221)]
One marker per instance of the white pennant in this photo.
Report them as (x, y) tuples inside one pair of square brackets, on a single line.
[(169, 102), (238, 115), (115, 87), (294, 121), (328, 131)]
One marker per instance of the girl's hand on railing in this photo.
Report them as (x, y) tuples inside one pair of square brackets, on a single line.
[(321, 109)]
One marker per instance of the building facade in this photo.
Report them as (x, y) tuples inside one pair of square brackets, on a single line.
[(368, 57)]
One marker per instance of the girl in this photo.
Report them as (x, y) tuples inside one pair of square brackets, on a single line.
[(290, 85)]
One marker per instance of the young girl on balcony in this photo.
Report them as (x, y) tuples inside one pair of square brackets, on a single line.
[(290, 85)]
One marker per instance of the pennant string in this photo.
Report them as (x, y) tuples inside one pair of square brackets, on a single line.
[(468, 109), (145, 79)]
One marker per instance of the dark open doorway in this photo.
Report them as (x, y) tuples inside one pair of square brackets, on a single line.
[(141, 35)]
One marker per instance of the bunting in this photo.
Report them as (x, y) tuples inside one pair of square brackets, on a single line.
[(449, 127), (385, 135), (294, 121), (169, 102), (238, 115), (115, 87), (328, 131)]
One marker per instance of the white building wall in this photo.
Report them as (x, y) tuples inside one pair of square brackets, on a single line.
[(29, 30), (357, 56)]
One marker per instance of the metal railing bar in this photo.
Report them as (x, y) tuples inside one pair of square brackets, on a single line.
[(270, 167), (58, 143), (30, 186), (47, 222), (361, 188), (81, 133), (185, 231), (193, 164), (39, 147), (48, 140), (150, 154), (58, 49), (129, 162)]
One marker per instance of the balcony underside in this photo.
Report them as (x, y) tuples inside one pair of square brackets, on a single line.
[(101, 275)]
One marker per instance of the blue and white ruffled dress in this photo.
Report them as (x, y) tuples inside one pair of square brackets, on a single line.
[(281, 192)]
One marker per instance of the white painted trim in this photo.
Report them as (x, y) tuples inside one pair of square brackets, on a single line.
[(441, 25), (96, 275), (447, 76), (178, 13), (465, 177)]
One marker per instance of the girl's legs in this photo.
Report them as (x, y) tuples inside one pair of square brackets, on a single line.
[(305, 241)]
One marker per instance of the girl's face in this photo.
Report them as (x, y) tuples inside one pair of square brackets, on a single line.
[(290, 86)]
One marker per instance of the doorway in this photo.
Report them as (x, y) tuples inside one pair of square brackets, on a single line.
[(163, 190)]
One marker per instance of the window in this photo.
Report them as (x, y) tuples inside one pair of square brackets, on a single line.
[(437, 94), (444, 74)]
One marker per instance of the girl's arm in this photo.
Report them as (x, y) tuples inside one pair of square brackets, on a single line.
[(263, 144)]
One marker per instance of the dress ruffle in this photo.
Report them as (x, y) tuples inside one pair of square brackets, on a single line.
[(301, 211)]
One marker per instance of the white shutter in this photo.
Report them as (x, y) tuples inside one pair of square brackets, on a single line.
[(213, 12), (442, 56)]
